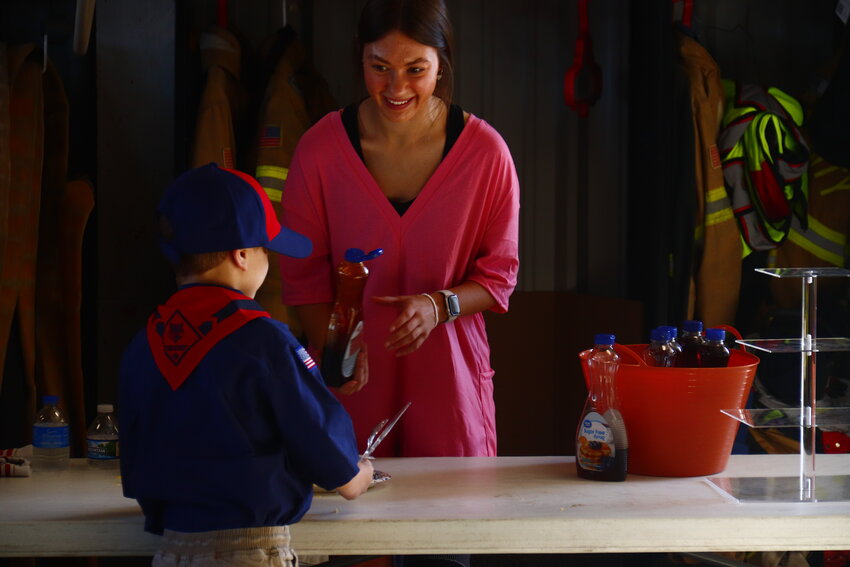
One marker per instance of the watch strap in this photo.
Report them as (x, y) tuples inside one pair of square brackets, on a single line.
[(452, 305)]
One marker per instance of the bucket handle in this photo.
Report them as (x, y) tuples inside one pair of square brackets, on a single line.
[(629, 356), (735, 333)]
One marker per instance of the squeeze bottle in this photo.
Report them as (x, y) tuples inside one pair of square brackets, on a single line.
[(345, 328), (602, 445)]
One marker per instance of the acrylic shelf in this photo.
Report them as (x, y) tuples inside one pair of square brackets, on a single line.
[(783, 488), (834, 344), (790, 417), (805, 487)]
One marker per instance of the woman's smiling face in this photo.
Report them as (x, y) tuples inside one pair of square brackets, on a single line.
[(400, 75)]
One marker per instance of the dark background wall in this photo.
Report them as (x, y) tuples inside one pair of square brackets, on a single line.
[(133, 97)]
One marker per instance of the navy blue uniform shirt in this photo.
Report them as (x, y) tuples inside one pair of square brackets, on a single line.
[(242, 439)]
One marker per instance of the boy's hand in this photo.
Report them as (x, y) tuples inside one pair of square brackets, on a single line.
[(361, 374), (360, 483)]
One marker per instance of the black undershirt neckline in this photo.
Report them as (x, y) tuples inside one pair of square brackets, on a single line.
[(454, 126)]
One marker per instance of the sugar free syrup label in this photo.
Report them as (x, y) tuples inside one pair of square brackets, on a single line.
[(595, 443)]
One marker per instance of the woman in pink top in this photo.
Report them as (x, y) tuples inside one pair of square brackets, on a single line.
[(434, 187)]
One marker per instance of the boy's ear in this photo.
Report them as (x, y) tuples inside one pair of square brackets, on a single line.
[(240, 257)]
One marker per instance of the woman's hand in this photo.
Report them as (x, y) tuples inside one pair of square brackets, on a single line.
[(414, 323), (361, 374)]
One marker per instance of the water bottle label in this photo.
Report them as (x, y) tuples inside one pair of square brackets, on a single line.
[(56, 437), (596, 443), (352, 349), (102, 449)]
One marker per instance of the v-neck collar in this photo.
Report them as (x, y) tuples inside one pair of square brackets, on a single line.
[(373, 190)]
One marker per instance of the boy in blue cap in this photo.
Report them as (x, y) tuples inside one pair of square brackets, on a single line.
[(225, 421)]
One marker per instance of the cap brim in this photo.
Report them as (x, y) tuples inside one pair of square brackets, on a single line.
[(290, 243)]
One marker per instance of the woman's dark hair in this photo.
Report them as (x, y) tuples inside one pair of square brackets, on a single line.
[(424, 21)]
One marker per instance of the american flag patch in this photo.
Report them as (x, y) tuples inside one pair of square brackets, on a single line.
[(270, 137), (714, 153), (227, 157), (305, 358)]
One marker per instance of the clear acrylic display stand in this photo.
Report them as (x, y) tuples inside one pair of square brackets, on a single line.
[(805, 487)]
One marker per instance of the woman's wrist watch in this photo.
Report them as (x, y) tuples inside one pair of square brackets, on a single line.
[(452, 305)]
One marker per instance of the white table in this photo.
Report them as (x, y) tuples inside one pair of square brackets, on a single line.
[(461, 505)]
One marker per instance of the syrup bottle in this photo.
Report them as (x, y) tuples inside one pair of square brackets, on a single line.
[(691, 339), (345, 328), (602, 445), (659, 351), (714, 353)]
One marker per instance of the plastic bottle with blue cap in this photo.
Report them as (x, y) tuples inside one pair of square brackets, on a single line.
[(602, 444), (659, 351), (344, 338), (691, 338), (51, 447), (714, 353)]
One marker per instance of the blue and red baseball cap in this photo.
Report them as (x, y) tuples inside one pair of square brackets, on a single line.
[(213, 209)]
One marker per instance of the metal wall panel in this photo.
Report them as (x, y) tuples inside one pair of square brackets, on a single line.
[(510, 63), (136, 159)]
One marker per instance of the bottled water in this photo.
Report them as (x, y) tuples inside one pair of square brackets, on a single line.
[(102, 439), (674, 341), (51, 448)]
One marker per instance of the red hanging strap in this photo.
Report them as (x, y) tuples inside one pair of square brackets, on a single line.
[(583, 80), (687, 11), (222, 14)]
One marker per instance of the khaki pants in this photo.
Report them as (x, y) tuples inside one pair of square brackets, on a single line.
[(269, 546)]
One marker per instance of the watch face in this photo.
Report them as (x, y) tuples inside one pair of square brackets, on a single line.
[(453, 305)]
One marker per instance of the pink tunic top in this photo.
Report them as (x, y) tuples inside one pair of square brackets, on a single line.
[(462, 226)]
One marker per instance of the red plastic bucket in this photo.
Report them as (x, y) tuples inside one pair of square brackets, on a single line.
[(672, 415)]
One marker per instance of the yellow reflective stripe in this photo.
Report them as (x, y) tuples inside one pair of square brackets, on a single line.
[(275, 195), (791, 105), (809, 246), (272, 178), (821, 171), (842, 185), (272, 171), (717, 206), (699, 233), (719, 217), (827, 233), (745, 248), (820, 241), (716, 194)]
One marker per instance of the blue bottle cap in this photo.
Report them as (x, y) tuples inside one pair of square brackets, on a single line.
[(692, 326), (657, 334), (604, 339), (49, 400), (357, 255), (715, 334), (674, 331)]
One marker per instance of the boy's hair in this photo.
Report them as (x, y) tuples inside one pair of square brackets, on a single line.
[(190, 264)]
